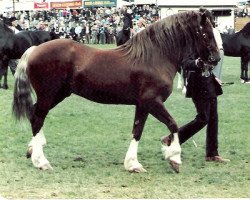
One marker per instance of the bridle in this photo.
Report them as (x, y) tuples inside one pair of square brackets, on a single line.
[(205, 43)]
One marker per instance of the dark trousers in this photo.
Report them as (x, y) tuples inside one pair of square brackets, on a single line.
[(206, 115)]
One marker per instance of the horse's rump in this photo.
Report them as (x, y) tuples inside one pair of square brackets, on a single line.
[(238, 45)]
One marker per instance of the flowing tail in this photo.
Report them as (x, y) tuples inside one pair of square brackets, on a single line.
[(22, 98)]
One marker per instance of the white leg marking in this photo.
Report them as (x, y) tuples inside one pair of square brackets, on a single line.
[(37, 156), (131, 163), (173, 152)]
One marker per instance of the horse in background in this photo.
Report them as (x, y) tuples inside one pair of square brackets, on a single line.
[(139, 72), (238, 45), (12, 46)]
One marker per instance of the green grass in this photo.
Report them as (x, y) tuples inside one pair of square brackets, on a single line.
[(99, 136)]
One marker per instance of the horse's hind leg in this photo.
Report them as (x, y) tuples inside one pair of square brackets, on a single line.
[(131, 163), (5, 82), (38, 141), (4, 74), (244, 68), (13, 65), (40, 111)]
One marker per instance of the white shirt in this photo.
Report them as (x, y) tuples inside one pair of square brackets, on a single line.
[(78, 29), (217, 37)]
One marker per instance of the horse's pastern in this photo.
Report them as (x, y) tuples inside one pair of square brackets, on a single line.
[(175, 166)]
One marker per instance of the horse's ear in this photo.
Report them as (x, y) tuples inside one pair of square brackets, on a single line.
[(203, 19)]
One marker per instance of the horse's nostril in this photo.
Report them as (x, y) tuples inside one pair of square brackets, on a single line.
[(211, 59)]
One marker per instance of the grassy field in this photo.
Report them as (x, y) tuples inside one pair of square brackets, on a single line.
[(87, 143)]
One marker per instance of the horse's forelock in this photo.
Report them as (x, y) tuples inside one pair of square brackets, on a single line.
[(169, 37)]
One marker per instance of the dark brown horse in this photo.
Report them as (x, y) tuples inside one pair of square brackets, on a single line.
[(12, 46), (140, 73), (238, 45)]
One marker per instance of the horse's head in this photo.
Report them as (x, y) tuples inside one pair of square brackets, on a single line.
[(206, 46)]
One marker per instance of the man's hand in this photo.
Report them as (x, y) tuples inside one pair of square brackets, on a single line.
[(199, 63)]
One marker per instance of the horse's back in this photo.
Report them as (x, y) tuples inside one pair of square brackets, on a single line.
[(66, 66), (40, 37), (231, 44), (58, 56)]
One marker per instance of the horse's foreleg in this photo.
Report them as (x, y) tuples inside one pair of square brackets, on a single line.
[(131, 162), (173, 151)]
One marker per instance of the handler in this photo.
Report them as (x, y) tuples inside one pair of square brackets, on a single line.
[(203, 87)]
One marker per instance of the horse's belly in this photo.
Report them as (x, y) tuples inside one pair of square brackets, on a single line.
[(107, 94)]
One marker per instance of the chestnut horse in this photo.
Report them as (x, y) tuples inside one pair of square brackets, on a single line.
[(139, 72)]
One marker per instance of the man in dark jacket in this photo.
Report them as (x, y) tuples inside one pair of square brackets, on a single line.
[(203, 87), (124, 35)]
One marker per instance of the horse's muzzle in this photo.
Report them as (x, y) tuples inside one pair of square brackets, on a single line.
[(213, 60)]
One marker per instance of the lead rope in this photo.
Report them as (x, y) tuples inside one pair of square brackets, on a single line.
[(195, 144)]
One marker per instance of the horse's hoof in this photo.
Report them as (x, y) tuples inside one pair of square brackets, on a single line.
[(137, 170), (46, 166), (5, 87), (175, 166), (29, 152)]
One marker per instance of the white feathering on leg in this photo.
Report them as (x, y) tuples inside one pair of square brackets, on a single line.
[(130, 162), (37, 157), (173, 151)]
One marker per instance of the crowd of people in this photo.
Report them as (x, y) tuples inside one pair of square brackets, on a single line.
[(87, 25)]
